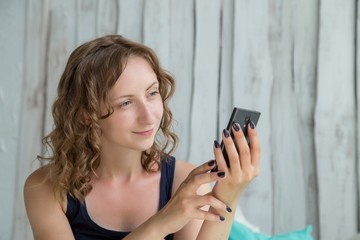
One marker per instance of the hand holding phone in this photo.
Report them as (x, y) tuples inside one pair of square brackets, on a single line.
[(243, 118)]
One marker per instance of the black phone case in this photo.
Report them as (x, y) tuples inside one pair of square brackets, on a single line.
[(242, 117)]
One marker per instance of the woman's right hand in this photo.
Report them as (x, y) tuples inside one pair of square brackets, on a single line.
[(186, 205)]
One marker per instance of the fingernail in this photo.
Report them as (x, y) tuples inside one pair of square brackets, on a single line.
[(216, 144), (236, 126), (252, 125), (226, 133), (228, 209), (221, 174), (211, 163), (222, 218)]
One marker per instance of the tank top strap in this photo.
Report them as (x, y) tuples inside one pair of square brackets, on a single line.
[(167, 179), (73, 206)]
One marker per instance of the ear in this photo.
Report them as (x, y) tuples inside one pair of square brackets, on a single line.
[(86, 118)]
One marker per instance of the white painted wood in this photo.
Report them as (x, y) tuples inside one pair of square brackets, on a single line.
[(305, 40), (32, 107), (251, 89), (131, 19), (107, 17), (287, 164), (156, 28), (206, 77), (60, 43), (227, 35), (181, 67), (12, 18), (335, 121), (85, 20)]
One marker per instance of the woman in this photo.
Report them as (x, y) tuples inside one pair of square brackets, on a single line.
[(110, 176)]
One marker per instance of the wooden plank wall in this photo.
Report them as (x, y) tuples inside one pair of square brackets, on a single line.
[(335, 141), (12, 19), (295, 61)]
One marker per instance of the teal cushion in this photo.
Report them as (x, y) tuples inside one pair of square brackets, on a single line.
[(241, 232)]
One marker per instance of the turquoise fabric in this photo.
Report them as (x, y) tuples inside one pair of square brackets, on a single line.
[(241, 232)]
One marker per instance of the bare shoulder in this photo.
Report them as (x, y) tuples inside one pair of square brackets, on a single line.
[(36, 178), (38, 184), (182, 170), (38, 191), (183, 167), (43, 209)]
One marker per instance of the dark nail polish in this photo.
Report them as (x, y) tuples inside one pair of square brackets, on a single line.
[(228, 209), (226, 133), (221, 174), (222, 218), (252, 125), (236, 127), (211, 163), (216, 144)]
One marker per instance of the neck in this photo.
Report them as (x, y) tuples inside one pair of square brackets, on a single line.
[(122, 164)]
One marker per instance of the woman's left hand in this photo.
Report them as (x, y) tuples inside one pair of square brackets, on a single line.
[(244, 165)]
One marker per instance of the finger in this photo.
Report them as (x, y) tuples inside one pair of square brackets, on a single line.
[(231, 152), (255, 149), (211, 201), (220, 160), (208, 216), (203, 168), (243, 146), (204, 178)]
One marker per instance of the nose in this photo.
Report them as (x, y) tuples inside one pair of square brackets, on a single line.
[(145, 113)]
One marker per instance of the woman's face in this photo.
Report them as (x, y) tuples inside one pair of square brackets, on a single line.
[(138, 108)]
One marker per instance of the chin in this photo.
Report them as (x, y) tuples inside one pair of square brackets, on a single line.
[(144, 147)]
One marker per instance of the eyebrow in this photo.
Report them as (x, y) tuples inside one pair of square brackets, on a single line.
[(130, 95)]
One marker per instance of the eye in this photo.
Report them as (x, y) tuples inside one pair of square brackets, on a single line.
[(153, 93), (124, 104)]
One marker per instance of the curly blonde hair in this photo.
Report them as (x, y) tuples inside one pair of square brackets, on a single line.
[(91, 71)]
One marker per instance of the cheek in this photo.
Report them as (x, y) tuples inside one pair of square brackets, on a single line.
[(105, 126), (111, 123)]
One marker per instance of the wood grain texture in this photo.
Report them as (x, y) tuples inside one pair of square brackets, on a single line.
[(287, 164), (32, 106), (156, 29), (181, 68), (130, 22), (251, 89), (225, 97), (86, 20), (206, 74), (305, 39), (60, 43), (12, 18), (335, 121), (107, 17)]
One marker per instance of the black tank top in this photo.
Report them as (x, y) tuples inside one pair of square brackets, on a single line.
[(84, 228)]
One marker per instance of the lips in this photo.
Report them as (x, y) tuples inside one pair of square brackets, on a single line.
[(146, 132)]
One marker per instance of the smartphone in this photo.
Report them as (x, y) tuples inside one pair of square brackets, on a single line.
[(242, 117)]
